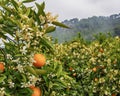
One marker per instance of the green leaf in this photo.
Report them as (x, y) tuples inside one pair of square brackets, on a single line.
[(28, 11), (2, 78), (23, 78), (40, 71), (62, 83), (43, 5), (28, 1), (7, 94), (59, 71), (2, 35), (19, 55), (40, 9), (1, 20), (55, 65), (46, 80), (45, 42), (6, 8), (31, 70), (57, 84), (15, 4), (50, 29), (3, 2), (8, 30), (60, 24)]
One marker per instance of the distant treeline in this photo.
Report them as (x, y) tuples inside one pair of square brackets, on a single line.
[(88, 27)]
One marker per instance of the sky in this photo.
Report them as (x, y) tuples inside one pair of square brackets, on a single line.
[(68, 9)]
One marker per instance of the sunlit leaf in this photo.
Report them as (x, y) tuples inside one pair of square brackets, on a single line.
[(40, 9), (31, 70), (50, 29), (7, 8), (45, 42), (28, 1), (59, 71), (2, 35), (2, 78), (15, 4), (28, 12), (23, 78), (40, 71), (60, 24)]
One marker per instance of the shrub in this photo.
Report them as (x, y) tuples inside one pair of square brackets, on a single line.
[(94, 66), (23, 31)]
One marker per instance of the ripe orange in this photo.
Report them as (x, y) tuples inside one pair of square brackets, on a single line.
[(70, 68), (2, 67), (94, 69), (113, 95), (101, 50), (40, 60), (36, 91)]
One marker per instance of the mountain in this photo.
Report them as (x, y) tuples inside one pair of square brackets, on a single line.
[(88, 27)]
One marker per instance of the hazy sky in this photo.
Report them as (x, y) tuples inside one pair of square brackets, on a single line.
[(67, 9)]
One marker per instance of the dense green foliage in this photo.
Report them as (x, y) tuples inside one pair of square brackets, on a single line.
[(94, 66), (23, 32)]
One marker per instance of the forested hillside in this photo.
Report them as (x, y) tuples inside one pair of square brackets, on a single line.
[(88, 27)]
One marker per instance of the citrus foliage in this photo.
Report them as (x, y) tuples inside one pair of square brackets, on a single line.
[(94, 66), (69, 69), (23, 30)]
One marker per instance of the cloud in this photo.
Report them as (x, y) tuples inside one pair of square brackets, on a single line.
[(68, 9)]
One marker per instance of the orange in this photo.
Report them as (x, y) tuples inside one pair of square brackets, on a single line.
[(70, 68), (101, 50), (40, 60), (113, 95), (36, 91), (2, 66), (94, 69)]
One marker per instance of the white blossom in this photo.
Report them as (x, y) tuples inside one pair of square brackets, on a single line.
[(24, 50), (2, 91), (11, 84), (20, 68), (9, 56)]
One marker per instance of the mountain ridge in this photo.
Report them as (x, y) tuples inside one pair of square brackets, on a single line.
[(88, 27)]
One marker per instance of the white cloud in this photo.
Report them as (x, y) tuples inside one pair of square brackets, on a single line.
[(68, 9)]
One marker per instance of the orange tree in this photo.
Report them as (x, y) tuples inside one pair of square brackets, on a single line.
[(23, 31), (94, 66)]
